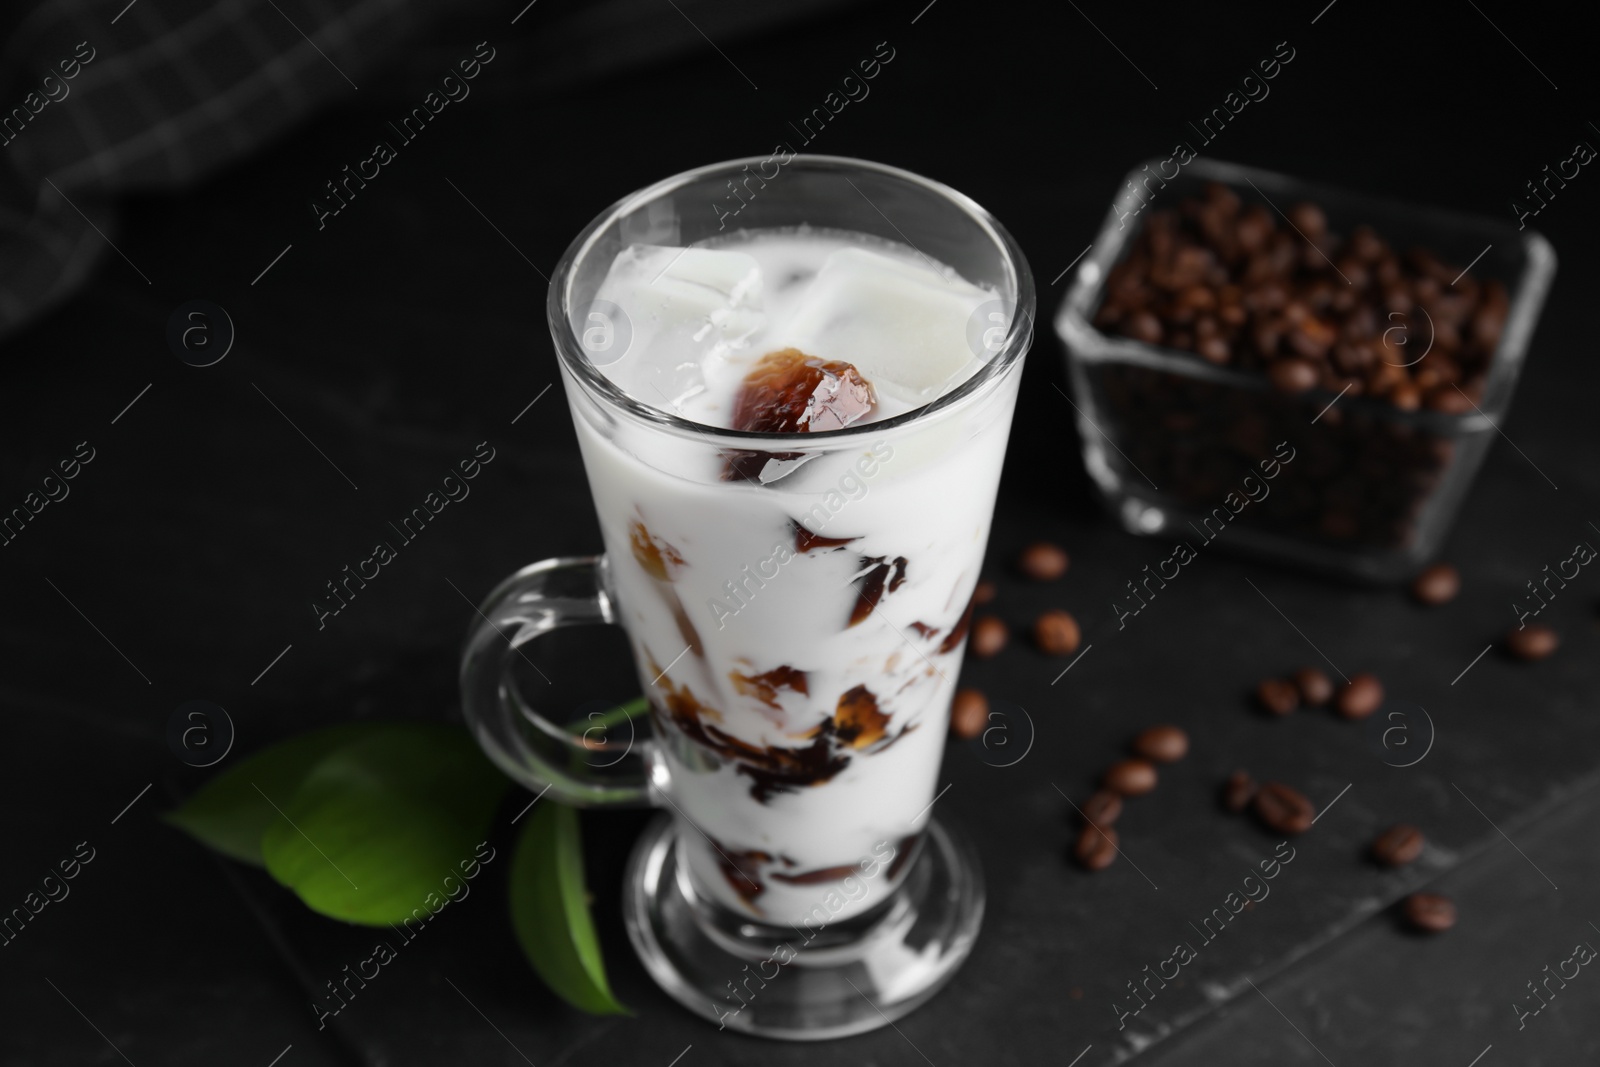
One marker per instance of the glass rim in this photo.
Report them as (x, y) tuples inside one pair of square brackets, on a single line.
[(1006, 360)]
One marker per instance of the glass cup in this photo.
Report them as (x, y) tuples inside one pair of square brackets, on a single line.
[(797, 635)]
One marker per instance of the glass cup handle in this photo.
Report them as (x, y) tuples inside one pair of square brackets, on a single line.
[(576, 768)]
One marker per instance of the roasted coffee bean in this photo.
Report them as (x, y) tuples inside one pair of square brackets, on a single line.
[(1043, 562), (1309, 220), (1130, 777), (989, 636), (1535, 641), (1197, 298), (1284, 810), (1238, 791), (1215, 350), (1144, 326), (969, 714), (1359, 697), (1254, 228), (1097, 847), (984, 593), (1056, 633), (1292, 375), (1163, 744), (1437, 584), (1406, 396), (1365, 244), (1311, 338), (1397, 846), (1315, 687), (1429, 912), (1102, 808), (1277, 696)]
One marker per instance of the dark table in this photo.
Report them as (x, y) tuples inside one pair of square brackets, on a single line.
[(376, 351)]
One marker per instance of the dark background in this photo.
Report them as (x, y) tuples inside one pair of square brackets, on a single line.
[(410, 329)]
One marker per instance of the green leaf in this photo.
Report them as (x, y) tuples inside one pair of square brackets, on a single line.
[(230, 813), (550, 911), (378, 824)]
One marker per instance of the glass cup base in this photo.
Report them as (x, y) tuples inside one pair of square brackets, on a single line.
[(766, 980)]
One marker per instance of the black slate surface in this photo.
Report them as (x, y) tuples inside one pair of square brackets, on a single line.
[(409, 330)]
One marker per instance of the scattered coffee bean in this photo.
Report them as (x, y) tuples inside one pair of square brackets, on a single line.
[(984, 593), (1277, 696), (1043, 562), (1130, 777), (1238, 791), (1316, 688), (1102, 808), (1097, 847), (1397, 846), (1284, 810), (1532, 642), (1359, 697), (1438, 584), (969, 713), (1430, 912), (1163, 744), (1056, 633), (989, 636)]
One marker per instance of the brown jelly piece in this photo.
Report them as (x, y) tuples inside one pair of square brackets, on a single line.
[(824, 876), (857, 722), (958, 632), (653, 554), (790, 392), (879, 575), (764, 687), (903, 851), (805, 540), (742, 869)]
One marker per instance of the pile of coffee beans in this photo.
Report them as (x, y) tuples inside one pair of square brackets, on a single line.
[(1096, 846), (1309, 318), (1306, 306)]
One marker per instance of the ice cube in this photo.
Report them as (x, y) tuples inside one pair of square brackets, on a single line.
[(904, 325), (669, 312)]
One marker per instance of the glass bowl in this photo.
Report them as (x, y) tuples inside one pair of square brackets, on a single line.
[(1350, 485)]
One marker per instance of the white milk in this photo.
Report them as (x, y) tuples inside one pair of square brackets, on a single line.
[(810, 784)]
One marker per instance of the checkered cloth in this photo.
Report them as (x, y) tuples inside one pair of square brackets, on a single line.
[(104, 97), (97, 101)]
